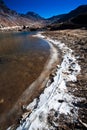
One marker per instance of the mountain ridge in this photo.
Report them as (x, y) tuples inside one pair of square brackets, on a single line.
[(9, 18), (79, 10), (74, 19)]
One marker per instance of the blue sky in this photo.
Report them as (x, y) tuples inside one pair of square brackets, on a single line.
[(45, 8)]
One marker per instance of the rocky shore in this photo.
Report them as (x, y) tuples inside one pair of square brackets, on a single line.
[(77, 41), (62, 104), (72, 99)]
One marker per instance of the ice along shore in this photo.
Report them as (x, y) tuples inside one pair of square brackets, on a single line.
[(37, 87), (56, 101)]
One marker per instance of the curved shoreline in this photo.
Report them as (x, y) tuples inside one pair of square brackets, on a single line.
[(43, 78), (44, 112), (56, 100), (35, 89), (40, 81)]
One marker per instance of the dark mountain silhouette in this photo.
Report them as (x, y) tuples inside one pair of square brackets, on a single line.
[(80, 19), (55, 18), (80, 10), (75, 19)]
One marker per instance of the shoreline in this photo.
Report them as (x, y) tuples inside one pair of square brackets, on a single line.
[(44, 76), (77, 41), (71, 39), (35, 89), (19, 70), (55, 95)]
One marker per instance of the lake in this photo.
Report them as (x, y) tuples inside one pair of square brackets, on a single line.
[(22, 58)]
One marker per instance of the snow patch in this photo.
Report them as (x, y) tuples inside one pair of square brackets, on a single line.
[(11, 28)]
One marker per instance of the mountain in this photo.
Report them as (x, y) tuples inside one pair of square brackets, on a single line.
[(5, 10), (75, 19), (74, 13), (55, 18), (33, 16), (80, 19), (10, 18)]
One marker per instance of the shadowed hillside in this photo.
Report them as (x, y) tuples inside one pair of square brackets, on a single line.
[(74, 19)]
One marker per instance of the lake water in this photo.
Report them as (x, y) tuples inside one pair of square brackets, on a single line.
[(22, 58)]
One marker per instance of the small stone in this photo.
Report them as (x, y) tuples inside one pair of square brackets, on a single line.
[(60, 101), (1, 101)]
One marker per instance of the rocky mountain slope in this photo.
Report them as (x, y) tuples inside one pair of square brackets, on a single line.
[(33, 16), (55, 18), (9, 17)]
